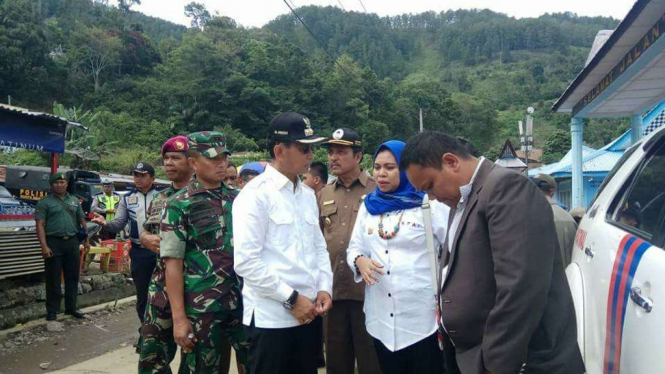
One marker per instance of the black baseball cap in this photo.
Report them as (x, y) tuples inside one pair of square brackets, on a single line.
[(143, 168), (293, 127), (346, 136)]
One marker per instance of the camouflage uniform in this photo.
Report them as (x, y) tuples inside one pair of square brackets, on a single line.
[(158, 347), (196, 227)]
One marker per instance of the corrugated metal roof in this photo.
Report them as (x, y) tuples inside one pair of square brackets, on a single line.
[(46, 116), (510, 162), (566, 160), (600, 162)]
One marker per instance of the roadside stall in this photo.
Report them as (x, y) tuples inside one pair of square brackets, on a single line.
[(20, 253)]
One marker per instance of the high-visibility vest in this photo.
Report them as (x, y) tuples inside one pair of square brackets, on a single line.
[(109, 202)]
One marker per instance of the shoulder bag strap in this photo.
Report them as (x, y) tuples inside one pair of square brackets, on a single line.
[(433, 267), (429, 239), (59, 200)]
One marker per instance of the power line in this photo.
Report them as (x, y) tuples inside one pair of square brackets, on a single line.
[(315, 38), (363, 5), (340, 4), (342, 68)]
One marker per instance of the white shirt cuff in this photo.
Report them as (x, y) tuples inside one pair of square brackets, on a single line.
[(283, 292)]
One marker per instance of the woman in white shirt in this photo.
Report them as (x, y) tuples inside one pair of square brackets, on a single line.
[(389, 253)]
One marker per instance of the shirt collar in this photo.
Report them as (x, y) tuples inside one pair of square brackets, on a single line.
[(465, 190), (280, 180), (195, 187), (152, 187), (67, 195), (363, 178)]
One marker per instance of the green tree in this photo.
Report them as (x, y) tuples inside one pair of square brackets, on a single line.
[(556, 146), (98, 51), (198, 13), (124, 5), (23, 47)]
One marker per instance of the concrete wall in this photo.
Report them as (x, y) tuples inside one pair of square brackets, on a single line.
[(20, 304)]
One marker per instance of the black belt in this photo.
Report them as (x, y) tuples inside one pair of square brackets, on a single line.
[(62, 237)]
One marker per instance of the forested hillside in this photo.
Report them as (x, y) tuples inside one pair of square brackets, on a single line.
[(135, 80)]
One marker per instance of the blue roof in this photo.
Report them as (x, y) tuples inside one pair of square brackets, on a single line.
[(566, 160), (598, 162)]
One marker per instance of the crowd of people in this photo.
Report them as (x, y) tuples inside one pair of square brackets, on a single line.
[(438, 261)]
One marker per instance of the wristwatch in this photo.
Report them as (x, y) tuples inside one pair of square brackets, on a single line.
[(291, 301)]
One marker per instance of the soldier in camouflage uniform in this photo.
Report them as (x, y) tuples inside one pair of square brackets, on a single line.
[(158, 347), (197, 246)]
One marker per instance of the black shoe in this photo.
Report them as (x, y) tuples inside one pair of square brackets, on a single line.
[(137, 345), (75, 313), (51, 316)]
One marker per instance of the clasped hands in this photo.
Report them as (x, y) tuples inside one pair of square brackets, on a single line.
[(305, 310)]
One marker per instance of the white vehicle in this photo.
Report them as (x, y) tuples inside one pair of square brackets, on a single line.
[(617, 275)]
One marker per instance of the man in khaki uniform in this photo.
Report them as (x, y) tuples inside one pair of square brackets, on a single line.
[(566, 227), (347, 339)]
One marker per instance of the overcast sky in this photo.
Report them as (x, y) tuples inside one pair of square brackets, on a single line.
[(259, 12)]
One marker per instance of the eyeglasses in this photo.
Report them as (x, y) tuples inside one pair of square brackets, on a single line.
[(304, 148)]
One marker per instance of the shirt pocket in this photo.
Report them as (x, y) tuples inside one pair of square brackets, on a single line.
[(56, 208), (206, 230), (310, 231), (329, 218), (279, 230)]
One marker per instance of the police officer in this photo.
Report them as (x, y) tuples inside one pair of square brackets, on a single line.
[(59, 217), (133, 210), (347, 339), (197, 247), (158, 347), (105, 202)]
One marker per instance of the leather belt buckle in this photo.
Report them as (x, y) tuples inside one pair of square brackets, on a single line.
[(66, 237)]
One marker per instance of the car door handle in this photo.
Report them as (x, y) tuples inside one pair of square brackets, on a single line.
[(641, 301), (589, 252)]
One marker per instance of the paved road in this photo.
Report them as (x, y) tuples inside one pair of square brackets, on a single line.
[(101, 344), (80, 341)]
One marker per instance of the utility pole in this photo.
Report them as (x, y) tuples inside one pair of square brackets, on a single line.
[(421, 119), (526, 137)]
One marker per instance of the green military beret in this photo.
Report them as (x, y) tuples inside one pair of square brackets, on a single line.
[(208, 143), (57, 177)]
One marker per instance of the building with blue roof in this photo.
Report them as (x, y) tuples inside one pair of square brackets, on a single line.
[(624, 77), (596, 164)]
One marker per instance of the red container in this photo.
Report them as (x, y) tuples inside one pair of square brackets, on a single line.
[(117, 247)]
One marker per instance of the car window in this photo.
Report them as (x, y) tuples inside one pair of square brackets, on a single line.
[(641, 209), (626, 155), (5, 193), (95, 189)]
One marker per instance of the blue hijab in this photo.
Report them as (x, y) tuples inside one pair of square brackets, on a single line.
[(404, 197)]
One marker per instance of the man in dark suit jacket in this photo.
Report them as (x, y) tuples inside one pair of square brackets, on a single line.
[(505, 301)]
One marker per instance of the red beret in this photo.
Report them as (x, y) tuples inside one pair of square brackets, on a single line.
[(175, 144)]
